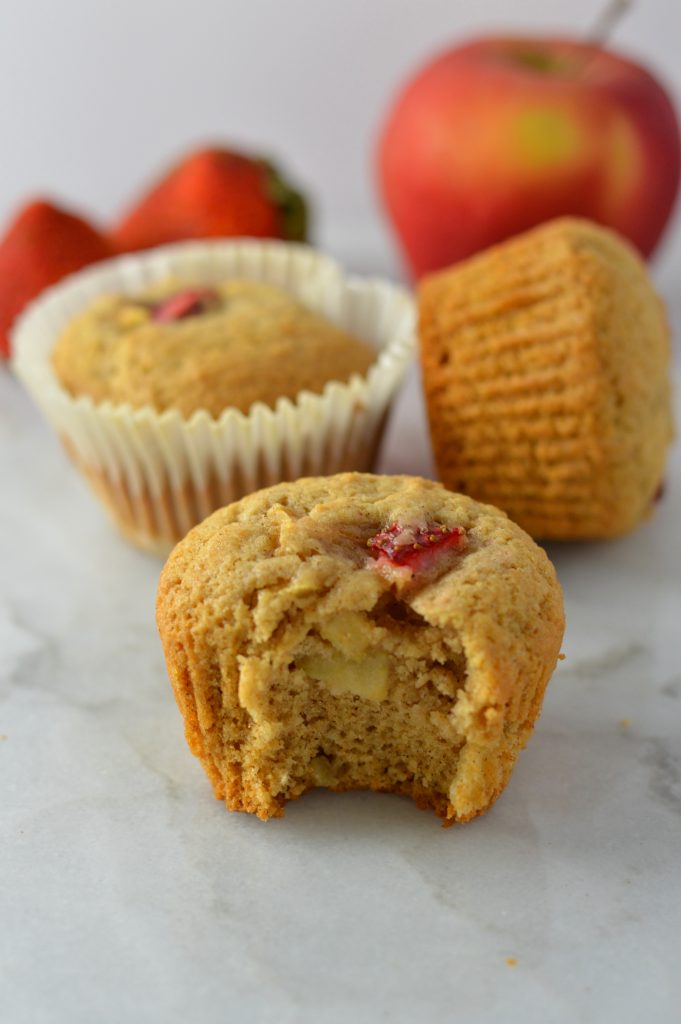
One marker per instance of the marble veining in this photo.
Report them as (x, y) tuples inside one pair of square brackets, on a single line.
[(664, 762), (672, 689)]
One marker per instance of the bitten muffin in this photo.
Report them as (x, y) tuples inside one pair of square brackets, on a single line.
[(229, 345), (359, 632), (546, 372)]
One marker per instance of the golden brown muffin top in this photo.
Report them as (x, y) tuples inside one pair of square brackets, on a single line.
[(227, 345)]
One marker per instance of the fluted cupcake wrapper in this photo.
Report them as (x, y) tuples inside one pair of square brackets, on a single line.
[(159, 473)]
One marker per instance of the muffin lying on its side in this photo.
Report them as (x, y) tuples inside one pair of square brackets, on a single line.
[(546, 372), (359, 632)]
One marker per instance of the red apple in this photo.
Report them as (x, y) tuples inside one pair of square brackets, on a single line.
[(498, 135)]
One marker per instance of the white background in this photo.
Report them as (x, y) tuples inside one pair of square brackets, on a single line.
[(97, 97)]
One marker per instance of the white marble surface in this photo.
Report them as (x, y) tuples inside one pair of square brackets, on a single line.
[(127, 892)]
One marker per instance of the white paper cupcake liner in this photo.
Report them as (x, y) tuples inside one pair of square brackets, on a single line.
[(159, 473)]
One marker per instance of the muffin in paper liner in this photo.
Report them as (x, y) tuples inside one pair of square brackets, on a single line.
[(158, 474)]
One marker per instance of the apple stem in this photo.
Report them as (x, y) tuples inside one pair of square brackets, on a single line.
[(606, 22)]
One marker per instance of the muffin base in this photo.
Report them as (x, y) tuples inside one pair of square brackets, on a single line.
[(545, 366)]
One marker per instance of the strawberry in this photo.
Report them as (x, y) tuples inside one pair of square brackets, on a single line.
[(183, 304), (43, 244), (214, 193), (415, 555), (414, 546)]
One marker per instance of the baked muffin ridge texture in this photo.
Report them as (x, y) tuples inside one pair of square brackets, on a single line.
[(546, 372)]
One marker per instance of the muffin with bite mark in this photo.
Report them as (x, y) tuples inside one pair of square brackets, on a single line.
[(359, 632)]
